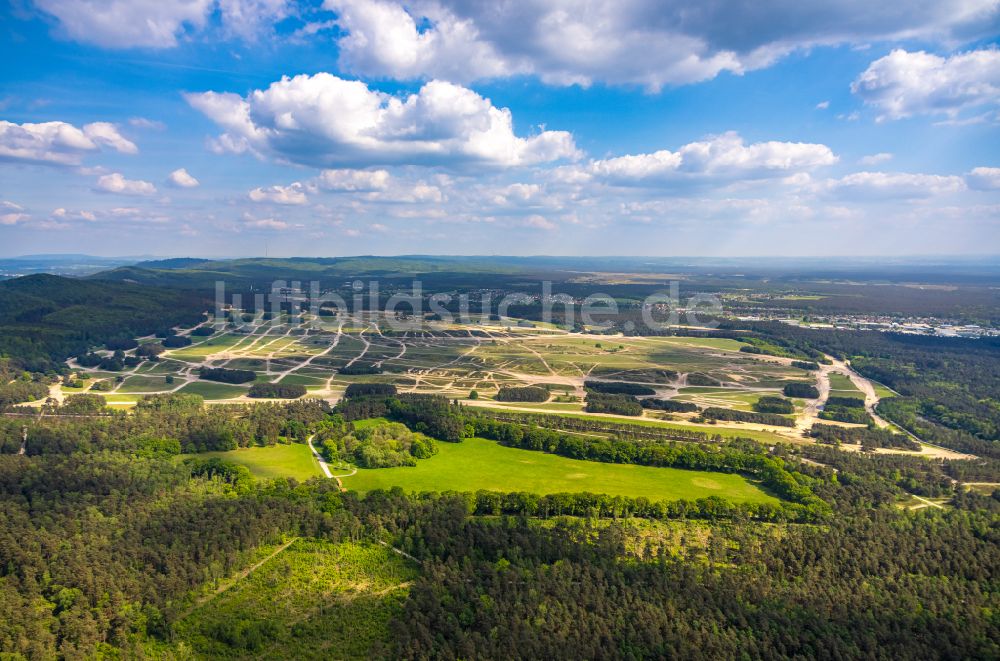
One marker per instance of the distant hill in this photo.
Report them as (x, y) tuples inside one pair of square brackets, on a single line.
[(44, 319), (202, 273), (59, 264), (330, 271), (172, 263)]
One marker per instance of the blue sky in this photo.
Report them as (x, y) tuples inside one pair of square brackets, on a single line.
[(636, 127)]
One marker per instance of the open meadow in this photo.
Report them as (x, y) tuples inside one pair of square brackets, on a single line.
[(291, 460), (478, 463)]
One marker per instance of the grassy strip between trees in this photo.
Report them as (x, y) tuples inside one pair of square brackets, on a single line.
[(709, 430), (293, 460)]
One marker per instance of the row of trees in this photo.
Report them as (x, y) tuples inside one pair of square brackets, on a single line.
[(845, 409), (598, 402), (224, 375), (369, 389), (772, 404), (522, 394), (603, 506), (360, 368), (277, 390), (869, 438), (618, 388), (668, 405), (800, 389), (719, 413)]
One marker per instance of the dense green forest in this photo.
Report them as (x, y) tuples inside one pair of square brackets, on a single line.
[(107, 537), (46, 319)]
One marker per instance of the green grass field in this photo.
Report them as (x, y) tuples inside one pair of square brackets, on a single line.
[(558, 407), (143, 384), (211, 390), (370, 422), (843, 384), (882, 391), (313, 600), (478, 463), (294, 460), (704, 342), (727, 398), (119, 399), (303, 380), (763, 436)]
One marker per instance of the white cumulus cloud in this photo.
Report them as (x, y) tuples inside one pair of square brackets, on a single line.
[(724, 157), (890, 185), (903, 84), (983, 178), (159, 23), (273, 224), (293, 194), (12, 214), (384, 40), (249, 18), (116, 183), (326, 121), (181, 179), (353, 181), (13, 218), (107, 134), (646, 42), (59, 143), (63, 214), (127, 23), (146, 123), (518, 194), (536, 221), (875, 159), (419, 192)]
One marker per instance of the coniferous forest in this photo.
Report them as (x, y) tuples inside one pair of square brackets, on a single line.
[(106, 532)]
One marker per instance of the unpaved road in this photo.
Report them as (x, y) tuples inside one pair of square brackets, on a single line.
[(322, 464), (236, 579)]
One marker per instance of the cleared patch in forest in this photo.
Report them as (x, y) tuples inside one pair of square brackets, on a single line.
[(314, 599), (292, 460), (478, 463)]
